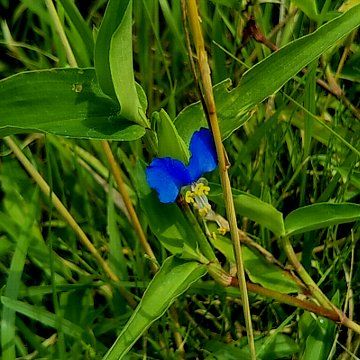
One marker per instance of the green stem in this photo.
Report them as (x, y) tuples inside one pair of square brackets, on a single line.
[(204, 245), (306, 278)]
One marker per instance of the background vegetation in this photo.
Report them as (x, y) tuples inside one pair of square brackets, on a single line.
[(57, 299)]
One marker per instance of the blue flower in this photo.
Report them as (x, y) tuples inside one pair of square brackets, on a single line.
[(167, 175)]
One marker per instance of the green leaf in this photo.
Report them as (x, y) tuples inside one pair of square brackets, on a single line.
[(169, 142), (122, 73), (80, 25), (173, 279), (65, 102), (319, 216), (192, 118), (348, 4), (252, 207), (281, 346), (308, 7), (114, 60), (266, 77), (235, 4), (320, 337), (14, 281), (259, 270), (43, 316), (113, 15)]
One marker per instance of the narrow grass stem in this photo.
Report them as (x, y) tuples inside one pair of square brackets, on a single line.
[(116, 171), (225, 181), (45, 188), (322, 123), (59, 29)]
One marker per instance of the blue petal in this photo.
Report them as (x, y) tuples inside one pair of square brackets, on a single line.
[(167, 176), (203, 154)]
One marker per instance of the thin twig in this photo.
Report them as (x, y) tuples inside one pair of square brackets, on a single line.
[(225, 279), (225, 181), (116, 171), (302, 304), (320, 248), (345, 53)]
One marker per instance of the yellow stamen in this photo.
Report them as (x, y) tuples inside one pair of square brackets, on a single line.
[(203, 212), (189, 197), (222, 230), (201, 189)]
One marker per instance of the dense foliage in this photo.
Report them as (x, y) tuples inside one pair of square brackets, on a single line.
[(93, 265)]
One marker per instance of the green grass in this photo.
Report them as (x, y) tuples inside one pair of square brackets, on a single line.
[(295, 148)]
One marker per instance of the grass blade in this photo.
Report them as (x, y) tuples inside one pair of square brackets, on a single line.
[(173, 279)]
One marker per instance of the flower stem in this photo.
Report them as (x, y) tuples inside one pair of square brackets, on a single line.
[(204, 245), (225, 181), (45, 188)]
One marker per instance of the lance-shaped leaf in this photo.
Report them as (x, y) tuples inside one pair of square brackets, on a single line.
[(169, 142), (172, 280), (319, 216), (252, 207), (114, 60), (267, 77), (259, 270), (308, 7), (45, 317), (65, 102)]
